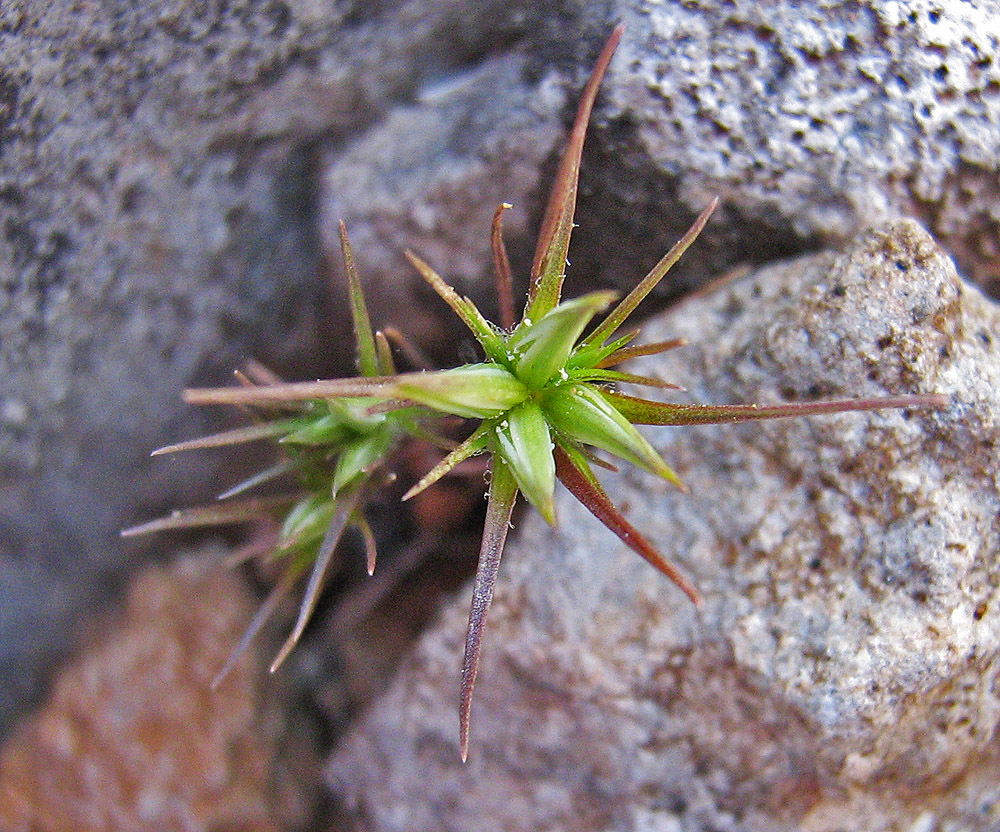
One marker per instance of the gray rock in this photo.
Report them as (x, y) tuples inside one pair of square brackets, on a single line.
[(429, 178), (842, 672), (814, 120)]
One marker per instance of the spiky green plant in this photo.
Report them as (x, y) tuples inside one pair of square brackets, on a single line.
[(336, 451), (542, 401)]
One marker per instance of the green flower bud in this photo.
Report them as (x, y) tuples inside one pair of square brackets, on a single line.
[(307, 521), (476, 391), (582, 413), (539, 350), (524, 442), (319, 430), (358, 455)]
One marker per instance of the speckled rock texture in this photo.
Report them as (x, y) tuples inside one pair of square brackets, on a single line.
[(843, 671), (816, 120), (132, 739), (811, 120)]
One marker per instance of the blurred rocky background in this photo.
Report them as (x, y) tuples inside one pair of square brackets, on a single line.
[(171, 174)]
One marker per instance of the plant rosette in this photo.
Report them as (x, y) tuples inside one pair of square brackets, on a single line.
[(543, 397)]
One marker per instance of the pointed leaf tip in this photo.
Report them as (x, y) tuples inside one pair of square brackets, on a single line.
[(574, 472), (549, 266), (367, 355), (503, 494), (620, 313)]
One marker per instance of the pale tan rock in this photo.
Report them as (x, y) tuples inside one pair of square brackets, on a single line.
[(842, 672), (133, 739)]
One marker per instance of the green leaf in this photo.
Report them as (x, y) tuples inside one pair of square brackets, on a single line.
[(645, 412), (328, 429), (360, 455), (582, 412), (368, 363), (539, 349), (620, 313), (549, 265), (523, 440), (306, 521), (476, 391)]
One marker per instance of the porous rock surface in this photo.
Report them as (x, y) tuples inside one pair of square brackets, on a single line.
[(842, 673), (815, 120), (132, 738)]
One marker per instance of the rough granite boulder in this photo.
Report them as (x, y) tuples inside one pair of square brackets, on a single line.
[(844, 671)]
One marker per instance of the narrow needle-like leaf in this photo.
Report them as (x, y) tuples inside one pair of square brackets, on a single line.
[(501, 268), (643, 412), (463, 307), (617, 316), (471, 446), (549, 264), (573, 472), (281, 589), (503, 493), (258, 373), (368, 364), (346, 504), (368, 536), (617, 376), (290, 392), (221, 514), (383, 352), (251, 433), (268, 474), (626, 353), (418, 360)]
